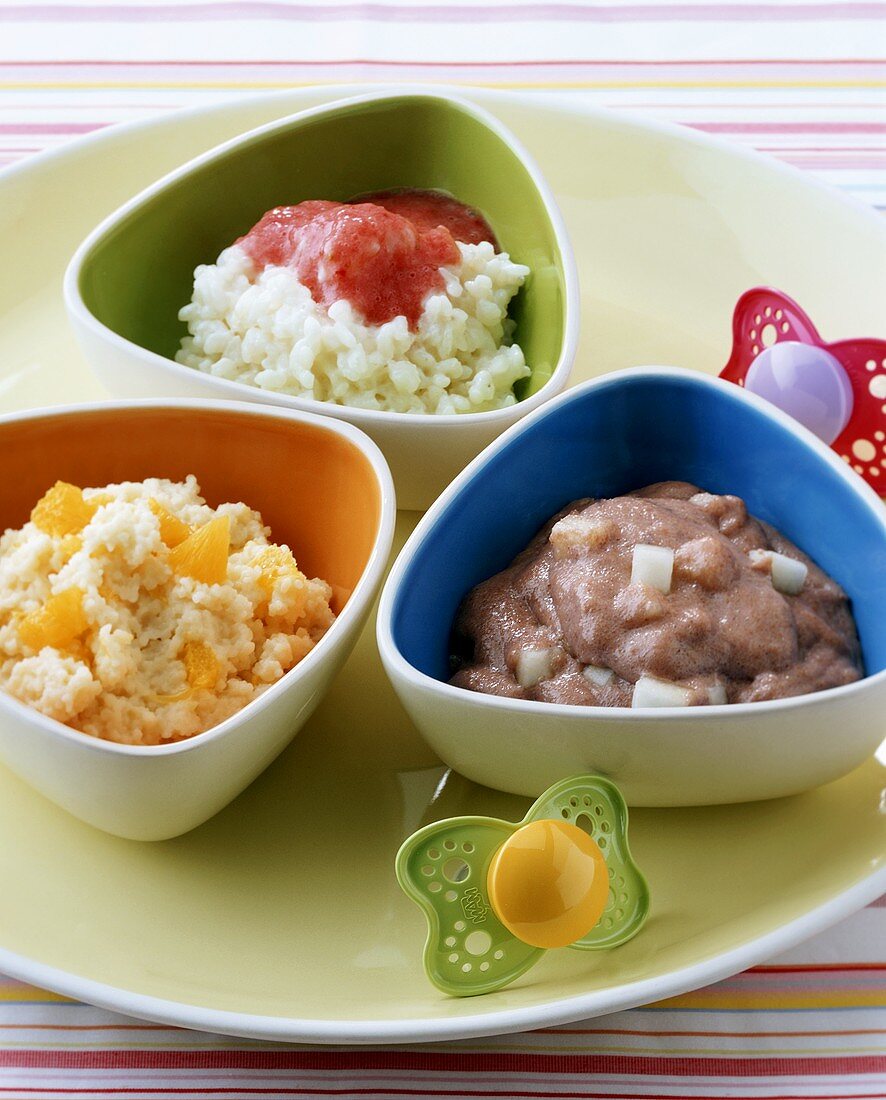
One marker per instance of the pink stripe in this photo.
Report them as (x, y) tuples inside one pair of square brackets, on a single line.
[(858, 150), (792, 127), (398, 13), (594, 1094), (393, 1076), (142, 107), (668, 108), (434, 1061), (840, 162), (50, 127), (388, 1092), (389, 1076)]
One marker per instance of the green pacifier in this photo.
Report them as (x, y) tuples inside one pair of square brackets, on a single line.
[(497, 895)]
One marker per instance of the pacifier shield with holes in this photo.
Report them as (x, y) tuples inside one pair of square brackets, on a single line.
[(497, 895), (838, 390)]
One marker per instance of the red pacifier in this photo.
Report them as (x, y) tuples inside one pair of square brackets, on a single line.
[(837, 391)]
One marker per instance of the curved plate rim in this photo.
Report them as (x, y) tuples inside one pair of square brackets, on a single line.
[(432, 1029), (555, 1011)]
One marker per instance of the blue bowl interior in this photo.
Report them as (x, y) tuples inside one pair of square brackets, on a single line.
[(621, 436)]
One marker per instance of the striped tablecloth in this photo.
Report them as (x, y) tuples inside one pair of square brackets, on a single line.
[(811, 1023), (802, 80)]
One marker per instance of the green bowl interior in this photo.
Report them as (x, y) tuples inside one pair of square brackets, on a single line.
[(140, 272)]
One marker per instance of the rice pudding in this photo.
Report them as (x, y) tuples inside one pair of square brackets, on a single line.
[(395, 301)]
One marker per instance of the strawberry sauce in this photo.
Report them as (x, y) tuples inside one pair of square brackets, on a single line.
[(429, 209), (382, 253)]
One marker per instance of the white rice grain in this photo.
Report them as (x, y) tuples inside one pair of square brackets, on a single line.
[(262, 327)]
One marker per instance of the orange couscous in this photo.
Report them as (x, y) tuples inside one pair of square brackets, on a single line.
[(137, 613)]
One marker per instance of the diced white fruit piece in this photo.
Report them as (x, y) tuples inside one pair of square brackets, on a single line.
[(716, 695), (582, 532), (651, 692), (598, 676), (787, 574), (652, 565), (534, 665)]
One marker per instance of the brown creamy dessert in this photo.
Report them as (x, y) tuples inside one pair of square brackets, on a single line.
[(668, 596)]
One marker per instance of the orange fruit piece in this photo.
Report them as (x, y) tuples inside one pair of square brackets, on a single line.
[(62, 510), (201, 665), (173, 531), (58, 622), (274, 561), (204, 553), (70, 545)]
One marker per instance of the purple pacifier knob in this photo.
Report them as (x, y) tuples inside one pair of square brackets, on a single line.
[(806, 382)]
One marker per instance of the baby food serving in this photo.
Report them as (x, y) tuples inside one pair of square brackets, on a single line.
[(139, 614), (668, 596), (395, 301)]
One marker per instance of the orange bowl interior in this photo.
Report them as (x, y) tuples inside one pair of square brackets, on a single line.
[(316, 490)]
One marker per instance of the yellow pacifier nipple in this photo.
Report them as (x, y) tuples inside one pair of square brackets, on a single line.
[(498, 894), (548, 883)]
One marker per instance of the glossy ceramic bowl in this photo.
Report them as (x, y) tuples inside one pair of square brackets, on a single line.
[(609, 436), (131, 276), (322, 487)]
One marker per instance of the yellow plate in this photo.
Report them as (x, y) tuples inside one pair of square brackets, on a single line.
[(281, 917)]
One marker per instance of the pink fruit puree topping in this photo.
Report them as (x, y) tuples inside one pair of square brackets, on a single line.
[(382, 253)]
